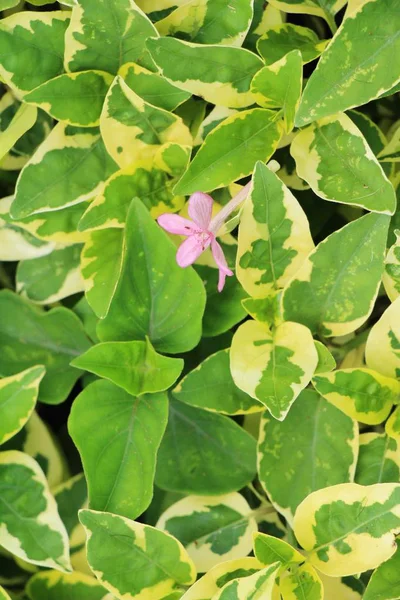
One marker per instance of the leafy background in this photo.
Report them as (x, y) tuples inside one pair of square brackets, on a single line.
[(160, 439)]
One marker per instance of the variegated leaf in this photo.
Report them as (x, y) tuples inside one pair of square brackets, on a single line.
[(277, 41), (274, 235), (269, 549), (50, 278), (68, 154), (301, 582), (106, 35), (211, 583), (338, 82), (334, 158), (32, 48), (21, 122), (31, 529), (134, 130), (52, 585), (273, 367), (391, 274), (260, 585), (74, 98), (279, 86), (213, 529), (150, 562), (349, 528), (219, 74), (378, 459), (18, 395), (292, 455), (209, 21), (231, 150), (362, 394), (210, 386), (382, 351), (330, 292)]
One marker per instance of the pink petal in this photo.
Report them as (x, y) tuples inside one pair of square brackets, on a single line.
[(189, 251), (220, 259), (176, 224), (200, 209)]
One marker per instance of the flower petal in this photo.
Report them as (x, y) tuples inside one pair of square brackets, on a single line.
[(176, 224), (189, 251), (200, 209), (220, 259)]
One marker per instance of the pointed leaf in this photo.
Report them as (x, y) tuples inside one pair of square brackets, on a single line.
[(274, 236), (162, 301), (292, 455), (231, 150), (273, 367), (150, 562), (334, 158), (338, 83), (118, 436), (382, 351), (134, 366), (50, 585), (281, 39), (204, 453), (330, 292), (347, 529), (18, 395), (31, 527)]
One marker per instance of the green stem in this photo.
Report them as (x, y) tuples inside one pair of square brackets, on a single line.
[(330, 19)]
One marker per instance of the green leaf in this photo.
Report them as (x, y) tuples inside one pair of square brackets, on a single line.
[(152, 87), (71, 496), (293, 454), (382, 352), (3, 594), (50, 278), (150, 563), (212, 529), (68, 168), (351, 60), (32, 48), (106, 35), (18, 395), (322, 8), (210, 584), (38, 441), (260, 585), (143, 180), (100, 270), (326, 361), (330, 292), (161, 300), (274, 235), (21, 122), (301, 582), (391, 275), (273, 366), (269, 549), (59, 226), (118, 436), (362, 394), (75, 98), (223, 309), (219, 74), (385, 581), (231, 150), (134, 130), (209, 22), (134, 366), (334, 158), (210, 386), (281, 39), (347, 529), (31, 527), (29, 336), (204, 453), (279, 86), (378, 459), (50, 585)]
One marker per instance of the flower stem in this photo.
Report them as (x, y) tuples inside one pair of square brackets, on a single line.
[(232, 205)]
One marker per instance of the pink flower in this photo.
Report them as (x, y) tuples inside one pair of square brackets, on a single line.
[(200, 233)]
